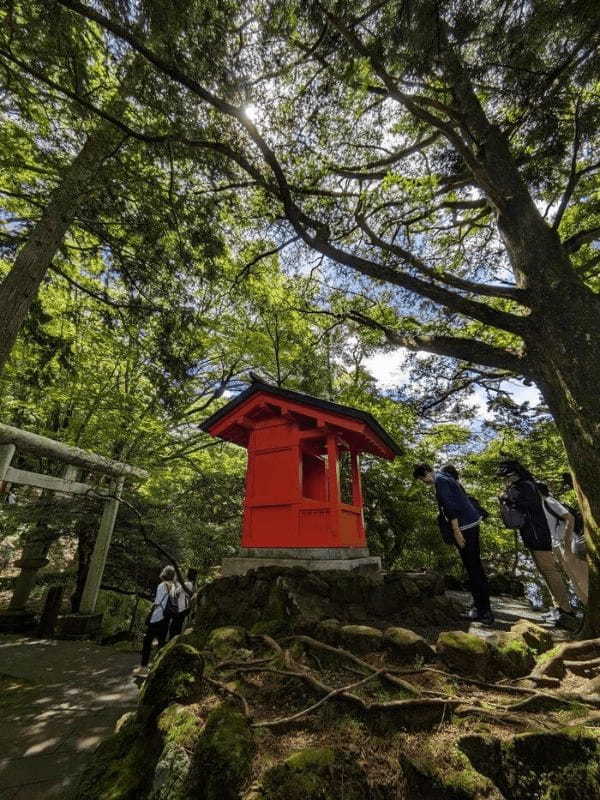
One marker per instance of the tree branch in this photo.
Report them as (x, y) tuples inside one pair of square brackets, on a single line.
[(509, 292), (469, 350)]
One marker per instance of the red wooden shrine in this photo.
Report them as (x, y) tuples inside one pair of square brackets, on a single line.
[(303, 487)]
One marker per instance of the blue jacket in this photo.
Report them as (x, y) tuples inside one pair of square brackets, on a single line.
[(454, 502)]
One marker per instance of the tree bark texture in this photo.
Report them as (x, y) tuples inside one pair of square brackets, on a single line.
[(19, 288)]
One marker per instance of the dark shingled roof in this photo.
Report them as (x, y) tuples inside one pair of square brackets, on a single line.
[(306, 399)]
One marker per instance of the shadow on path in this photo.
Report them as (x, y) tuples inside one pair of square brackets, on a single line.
[(59, 699)]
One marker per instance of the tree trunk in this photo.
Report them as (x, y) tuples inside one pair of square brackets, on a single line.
[(565, 351), (19, 288)]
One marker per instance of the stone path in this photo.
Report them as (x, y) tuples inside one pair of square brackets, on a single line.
[(58, 700), (507, 611)]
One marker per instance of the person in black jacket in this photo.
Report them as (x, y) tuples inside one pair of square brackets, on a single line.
[(522, 493), (463, 520)]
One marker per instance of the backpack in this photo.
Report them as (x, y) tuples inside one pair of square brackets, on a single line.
[(512, 517), (172, 606)]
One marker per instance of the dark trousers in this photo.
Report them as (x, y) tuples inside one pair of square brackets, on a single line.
[(177, 624), (155, 630), (472, 563)]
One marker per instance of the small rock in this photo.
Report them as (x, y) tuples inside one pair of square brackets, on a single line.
[(512, 654), (407, 646), (361, 638), (538, 639), (465, 653)]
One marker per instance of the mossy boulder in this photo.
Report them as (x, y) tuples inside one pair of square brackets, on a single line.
[(512, 655), (226, 642), (122, 766), (223, 756), (407, 646), (173, 677), (316, 774), (180, 729), (465, 653), (557, 765), (537, 638), (426, 779), (361, 638), (171, 774)]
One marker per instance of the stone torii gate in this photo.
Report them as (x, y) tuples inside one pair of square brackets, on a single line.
[(34, 553)]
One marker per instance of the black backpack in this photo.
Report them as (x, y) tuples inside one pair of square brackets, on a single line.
[(172, 605)]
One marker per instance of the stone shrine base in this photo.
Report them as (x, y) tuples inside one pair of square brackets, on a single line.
[(315, 559)]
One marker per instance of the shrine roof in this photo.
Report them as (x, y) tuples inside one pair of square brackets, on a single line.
[(258, 387)]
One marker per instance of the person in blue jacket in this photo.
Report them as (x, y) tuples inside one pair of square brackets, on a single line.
[(463, 521)]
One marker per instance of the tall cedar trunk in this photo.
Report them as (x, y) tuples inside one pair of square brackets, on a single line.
[(20, 287), (565, 351)]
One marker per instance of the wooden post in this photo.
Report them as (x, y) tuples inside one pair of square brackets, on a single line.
[(98, 560), (333, 486), (357, 498), (7, 451)]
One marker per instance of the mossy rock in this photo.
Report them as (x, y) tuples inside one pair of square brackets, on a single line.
[(512, 655), (425, 779), (316, 774), (226, 642), (122, 766), (172, 678), (557, 765), (465, 653), (407, 646), (171, 774), (223, 756), (361, 638), (270, 627), (537, 638), (179, 725)]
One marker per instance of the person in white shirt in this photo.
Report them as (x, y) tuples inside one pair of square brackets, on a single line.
[(184, 598), (561, 523), (158, 619)]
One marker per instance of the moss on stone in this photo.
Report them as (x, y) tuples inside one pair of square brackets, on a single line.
[(122, 766), (271, 627), (537, 638), (172, 677), (179, 725), (223, 757), (465, 653), (513, 655), (361, 638), (226, 641), (407, 646), (553, 765), (428, 778), (316, 774)]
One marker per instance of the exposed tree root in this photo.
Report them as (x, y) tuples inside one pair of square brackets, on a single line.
[(222, 687), (555, 667), (285, 720)]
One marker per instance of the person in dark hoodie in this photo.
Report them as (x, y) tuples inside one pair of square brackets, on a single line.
[(463, 521)]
